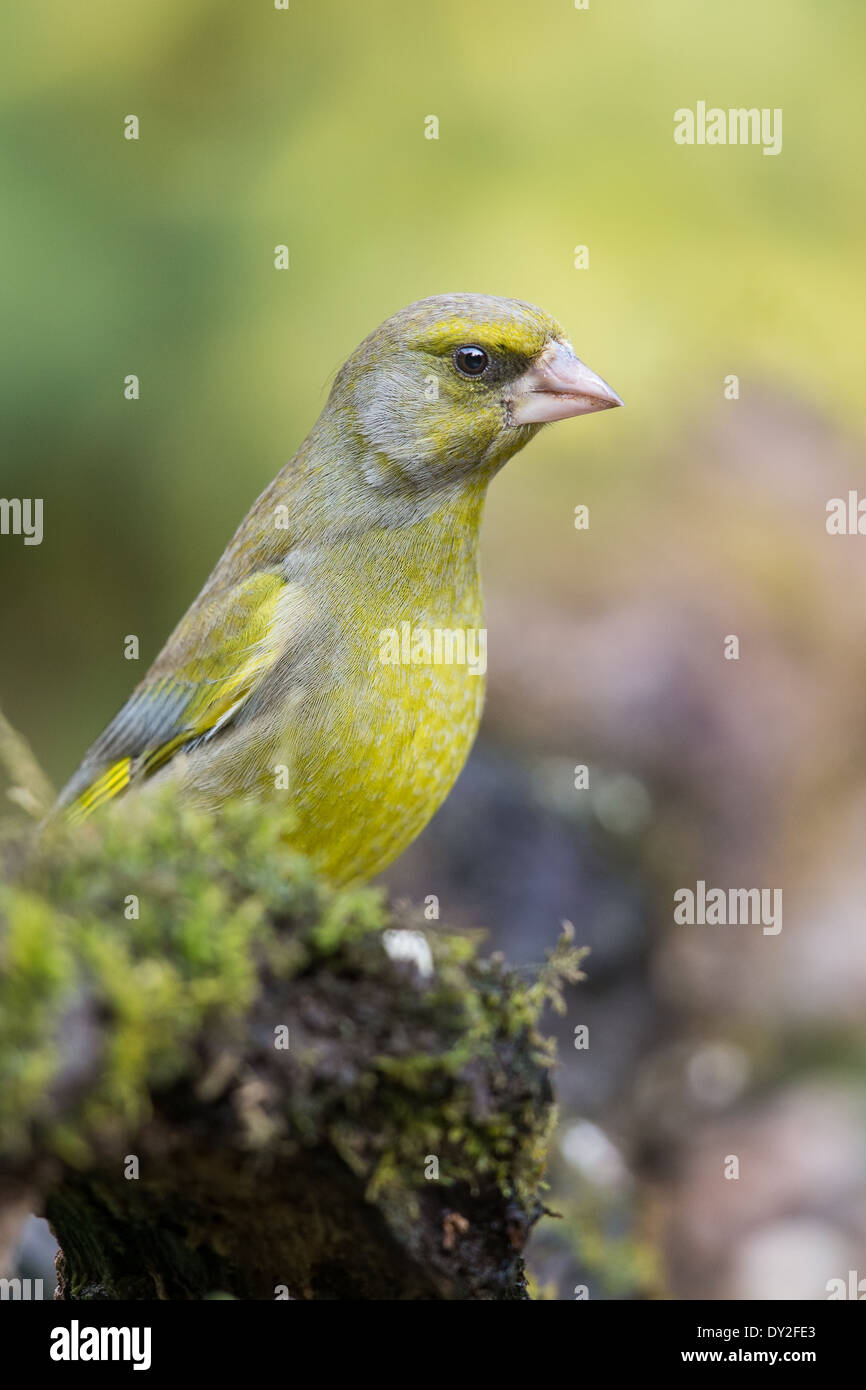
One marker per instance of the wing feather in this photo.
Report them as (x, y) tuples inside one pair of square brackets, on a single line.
[(210, 666)]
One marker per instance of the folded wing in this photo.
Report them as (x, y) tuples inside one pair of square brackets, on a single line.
[(209, 668)]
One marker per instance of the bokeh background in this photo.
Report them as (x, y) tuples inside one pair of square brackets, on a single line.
[(707, 515)]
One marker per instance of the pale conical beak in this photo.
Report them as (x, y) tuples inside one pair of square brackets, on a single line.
[(557, 386)]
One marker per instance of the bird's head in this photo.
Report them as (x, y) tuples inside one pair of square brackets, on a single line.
[(453, 385)]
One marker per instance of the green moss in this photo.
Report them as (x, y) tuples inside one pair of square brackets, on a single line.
[(223, 905)]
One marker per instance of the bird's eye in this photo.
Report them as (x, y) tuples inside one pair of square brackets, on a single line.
[(471, 361)]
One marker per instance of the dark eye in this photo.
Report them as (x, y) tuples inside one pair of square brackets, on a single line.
[(471, 361)]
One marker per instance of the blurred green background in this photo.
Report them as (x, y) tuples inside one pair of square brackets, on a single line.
[(306, 127)]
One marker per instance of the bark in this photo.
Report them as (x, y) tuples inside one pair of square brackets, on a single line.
[(240, 1092)]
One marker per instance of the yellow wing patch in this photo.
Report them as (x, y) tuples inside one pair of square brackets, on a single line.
[(103, 789)]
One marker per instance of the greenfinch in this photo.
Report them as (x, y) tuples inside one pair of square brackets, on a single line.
[(332, 663)]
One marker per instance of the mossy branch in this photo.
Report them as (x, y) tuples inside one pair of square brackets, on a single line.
[(223, 1080)]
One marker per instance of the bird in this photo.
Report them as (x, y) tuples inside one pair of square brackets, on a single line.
[(282, 681)]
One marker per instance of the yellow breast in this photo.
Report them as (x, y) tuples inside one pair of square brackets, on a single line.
[(384, 751), (382, 699)]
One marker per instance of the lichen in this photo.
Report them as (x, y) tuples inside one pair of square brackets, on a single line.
[(162, 924)]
